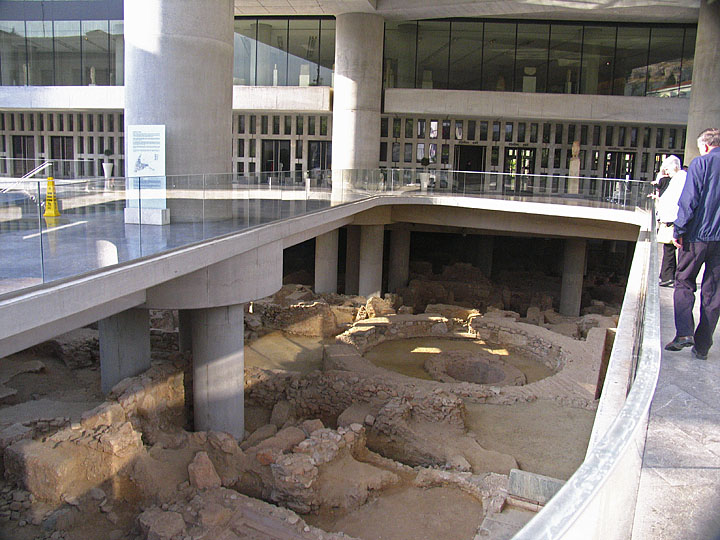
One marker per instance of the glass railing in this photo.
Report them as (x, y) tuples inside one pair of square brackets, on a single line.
[(60, 168), (55, 231)]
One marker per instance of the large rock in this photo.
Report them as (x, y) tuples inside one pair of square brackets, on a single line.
[(202, 473), (159, 525)]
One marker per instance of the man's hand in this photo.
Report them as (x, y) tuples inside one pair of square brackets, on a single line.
[(677, 242)]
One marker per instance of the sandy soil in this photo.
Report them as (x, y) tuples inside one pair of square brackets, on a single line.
[(407, 356), (409, 513), (543, 436), (278, 350)]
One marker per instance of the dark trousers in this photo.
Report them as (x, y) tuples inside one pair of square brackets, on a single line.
[(690, 258), (669, 264)]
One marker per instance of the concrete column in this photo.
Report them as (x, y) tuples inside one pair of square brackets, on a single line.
[(704, 103), (352, 260), (124, 346), (326, 262), (357, 93), (572, 278), (184, 330), (484, 254), (371, 259), (399, 264), (178, 72), (218, 364)]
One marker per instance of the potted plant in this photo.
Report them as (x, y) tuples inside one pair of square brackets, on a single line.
[(424, 176)]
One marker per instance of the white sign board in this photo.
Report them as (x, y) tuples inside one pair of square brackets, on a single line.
[(146, 166)]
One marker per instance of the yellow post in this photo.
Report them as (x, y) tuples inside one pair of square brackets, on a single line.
[(51, 204)]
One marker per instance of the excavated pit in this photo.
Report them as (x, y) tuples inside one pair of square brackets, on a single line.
[(361, 417)]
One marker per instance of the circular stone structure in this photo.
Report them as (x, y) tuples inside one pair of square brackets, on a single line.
[(479, 367)]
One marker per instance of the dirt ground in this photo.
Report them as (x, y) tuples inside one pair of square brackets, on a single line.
[(406, 512), (543, 436)]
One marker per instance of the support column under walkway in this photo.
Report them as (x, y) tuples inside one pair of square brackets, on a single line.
[(399, 263), (371, 260), (326, 262), (572, 278), (124, 346), (218, 369)]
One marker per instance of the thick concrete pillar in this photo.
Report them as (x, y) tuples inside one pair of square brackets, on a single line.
[(484, 254), (326, 262), (704, 103), (572, 278), (184, 330), (218, 364), (358, 89), (352, 260), (124, 346), (399, 264), (371, 259), (178, 72)]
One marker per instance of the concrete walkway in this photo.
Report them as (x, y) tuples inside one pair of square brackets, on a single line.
[(679, 493)]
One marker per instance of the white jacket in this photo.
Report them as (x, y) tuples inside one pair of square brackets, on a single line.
[(667, 205)]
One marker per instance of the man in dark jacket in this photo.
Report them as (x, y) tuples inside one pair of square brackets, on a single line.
[(697, 237)]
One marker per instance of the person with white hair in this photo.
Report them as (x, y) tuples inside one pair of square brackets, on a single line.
[(666, 210)]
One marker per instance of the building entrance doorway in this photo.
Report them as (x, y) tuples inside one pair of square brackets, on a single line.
[(619, 164), (519, 163), (469, 159), (275, 156), (23, 150), (61, 148)]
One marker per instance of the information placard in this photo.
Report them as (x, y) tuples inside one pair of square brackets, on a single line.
[(146, 183)]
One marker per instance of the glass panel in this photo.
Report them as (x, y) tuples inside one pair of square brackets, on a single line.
[(666, 48), (421, 128), (384, 127), (420, 152), (466, 56), (117, 53), (433, 129), (531, 57), (631, 61), (564, 69), (483, 130), (408, 128), (445, 156), (383, 151), (433, 43), (40, 53), (13, 68), (597, 61), (433, 153), (68, 65), (399, 62), (303, 52), (327, 52), (498, 56), (396, 128), (508, 131), (496, 131), (521, 132), (687, 63), (446, 129), (95, 53), (408, 153), (533, 133), (459, 129), (471, 130), (272, 52), (245, 52), (395, 152)]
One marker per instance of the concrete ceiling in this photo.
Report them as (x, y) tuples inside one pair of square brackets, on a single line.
[(596, 10)]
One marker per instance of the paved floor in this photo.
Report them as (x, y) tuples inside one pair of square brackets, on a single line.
[(679, 494)]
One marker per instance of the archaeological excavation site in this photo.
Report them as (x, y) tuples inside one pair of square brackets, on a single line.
[(452, 408)]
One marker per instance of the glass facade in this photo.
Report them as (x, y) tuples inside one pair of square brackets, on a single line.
[(566, 58), (68, 43), (284, 51)]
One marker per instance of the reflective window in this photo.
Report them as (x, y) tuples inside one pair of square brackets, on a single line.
[(532, 57), (597, 60), (245, 46), (12, 53), (40, 53), (466, 55), (272, 58), (665, 62), (631, 61), (303, 52), (433, 48), (95, 53), (498, 56), (400, 47)]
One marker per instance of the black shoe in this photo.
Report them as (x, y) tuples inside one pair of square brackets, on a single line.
[(697, 354), (668, 283), (679, 343)]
